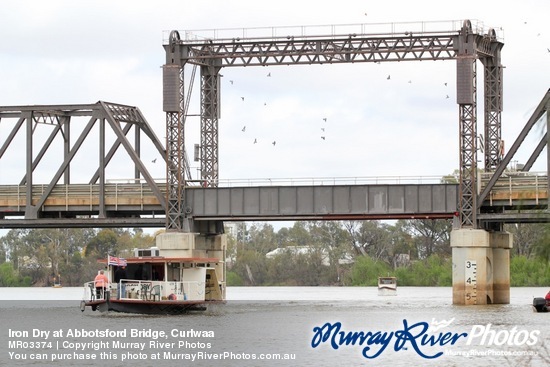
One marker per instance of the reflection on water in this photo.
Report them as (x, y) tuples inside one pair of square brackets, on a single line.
[(282, 319)]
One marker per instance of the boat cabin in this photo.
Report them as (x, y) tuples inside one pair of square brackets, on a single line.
[(174, 279)]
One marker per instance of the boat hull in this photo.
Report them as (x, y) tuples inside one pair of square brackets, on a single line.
[(144, 307), (387, 291)]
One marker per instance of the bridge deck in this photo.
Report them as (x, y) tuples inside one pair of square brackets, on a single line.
[(135, 204)]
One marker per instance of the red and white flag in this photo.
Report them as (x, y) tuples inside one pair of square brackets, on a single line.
[(118, 261)]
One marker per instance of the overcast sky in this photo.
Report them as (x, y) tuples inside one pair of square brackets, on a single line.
[(62, 52)]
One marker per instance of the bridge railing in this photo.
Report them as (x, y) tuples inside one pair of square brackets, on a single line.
[(323, 31), (322, 181), (86, 196), (517, 185), (120, 191)]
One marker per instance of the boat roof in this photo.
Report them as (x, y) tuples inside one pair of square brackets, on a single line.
[(162, 259)]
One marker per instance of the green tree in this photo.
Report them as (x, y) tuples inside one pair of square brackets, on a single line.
[(541, 245), (279, 269), (371, 238), (103, 244), (525, 272), (527, 236), (251, 267), (10, 278), (13, 246), (366, 271), (234, 280), (432, 236), (262, 238), (333, 243), (50, 249)]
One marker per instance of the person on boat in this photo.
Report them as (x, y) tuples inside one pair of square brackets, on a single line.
[(547, 298), (101, 283), (120, 274)]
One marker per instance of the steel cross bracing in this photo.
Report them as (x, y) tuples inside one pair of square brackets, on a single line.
[(118, 118), (212, 54), (344, 49), (542, 108), (175, 156)]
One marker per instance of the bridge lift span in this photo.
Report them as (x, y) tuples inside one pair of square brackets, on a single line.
[(403, 42), (473, 246)]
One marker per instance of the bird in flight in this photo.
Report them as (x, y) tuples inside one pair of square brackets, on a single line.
[(255, 141), (243, 129), (322, 137), (324, 119), (274, 142), (242, 98), (154, 160), (269, 74), (388, 78), (447, 96), (231, 81)]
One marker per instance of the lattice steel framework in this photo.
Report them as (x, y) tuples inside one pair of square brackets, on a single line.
[(493, 107), (174, 172), (115, 118), (464, 44), (210, 87), (468, 147)]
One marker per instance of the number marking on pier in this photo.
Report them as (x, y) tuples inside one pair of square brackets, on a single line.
[(470, 281)]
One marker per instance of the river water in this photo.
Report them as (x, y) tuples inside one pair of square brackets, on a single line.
[(278, 326)]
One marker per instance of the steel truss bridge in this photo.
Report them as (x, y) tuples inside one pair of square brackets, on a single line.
[(181, 204)]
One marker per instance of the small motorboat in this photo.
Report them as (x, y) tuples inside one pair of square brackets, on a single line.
[(387, 286), (540, 304)]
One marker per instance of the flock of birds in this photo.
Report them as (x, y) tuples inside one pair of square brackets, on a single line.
[(274, 142), (323, 136), (324, 119)]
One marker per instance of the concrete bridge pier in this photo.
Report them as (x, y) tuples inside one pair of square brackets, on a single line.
[(481, 266), (196, 245)]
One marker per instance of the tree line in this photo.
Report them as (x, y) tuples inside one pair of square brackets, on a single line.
[(309, 253), (42, 257)]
